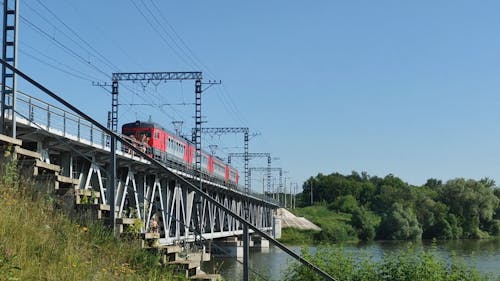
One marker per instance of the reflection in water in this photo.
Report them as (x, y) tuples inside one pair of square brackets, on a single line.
[(271, 263)]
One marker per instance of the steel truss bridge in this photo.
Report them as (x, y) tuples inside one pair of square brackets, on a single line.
[(79, 153)]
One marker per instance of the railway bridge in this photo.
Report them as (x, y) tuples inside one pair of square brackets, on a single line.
[(77, 154)]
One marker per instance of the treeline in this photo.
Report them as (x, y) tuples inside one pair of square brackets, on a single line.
[(389, 208)]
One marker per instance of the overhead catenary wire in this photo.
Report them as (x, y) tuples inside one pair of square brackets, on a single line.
[(224, 97), (56, 67), (105, 35), (64, 47), (105, 60), (185, 46), (162, 37)]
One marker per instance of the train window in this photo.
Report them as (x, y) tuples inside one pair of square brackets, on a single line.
[(219, 169), (157, 135)]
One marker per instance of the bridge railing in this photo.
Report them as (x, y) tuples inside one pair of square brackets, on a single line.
[(59, 121)]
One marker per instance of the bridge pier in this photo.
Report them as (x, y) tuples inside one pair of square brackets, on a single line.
[(231, 247), (259, 242), (276, 227)]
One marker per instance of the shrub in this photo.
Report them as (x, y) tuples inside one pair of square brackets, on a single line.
[(399, 224), (405, 265), (364, 223)]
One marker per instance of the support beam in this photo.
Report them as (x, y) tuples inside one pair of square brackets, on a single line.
[(112, 183)]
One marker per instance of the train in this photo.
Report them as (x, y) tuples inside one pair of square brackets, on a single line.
[(170, 148)]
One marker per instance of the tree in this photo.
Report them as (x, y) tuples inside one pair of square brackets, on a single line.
[(346, 204), (399, 224), (433, 183), (364, 223), (472, 202)]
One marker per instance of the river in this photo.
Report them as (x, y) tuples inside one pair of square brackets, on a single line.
[(271, 263)]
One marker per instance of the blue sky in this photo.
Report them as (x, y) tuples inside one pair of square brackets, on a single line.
[(379, 86)]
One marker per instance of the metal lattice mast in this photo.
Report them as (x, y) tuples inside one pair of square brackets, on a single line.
[(237, 130), (145, 76), (197, 128), (268, 175), (9, 55), (114, 106), (269, 170), (247, 157)]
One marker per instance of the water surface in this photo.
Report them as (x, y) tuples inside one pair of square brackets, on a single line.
[(272, 262)]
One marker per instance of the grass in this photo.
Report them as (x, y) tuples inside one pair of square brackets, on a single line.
[(294, 236), (335, 226), (322, 216), (39, 242)]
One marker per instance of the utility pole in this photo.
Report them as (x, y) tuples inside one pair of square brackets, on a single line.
[(295, 195), (284, 194), (311, 184)]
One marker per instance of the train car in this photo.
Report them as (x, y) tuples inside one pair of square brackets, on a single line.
[(165, 146), (232, 174), (219, 169)]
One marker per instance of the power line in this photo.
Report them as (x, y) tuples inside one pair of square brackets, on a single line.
[(63, 46), (103, 58), (160, 34), (68, 67), (225, 98), (186, 46), (155, 18), (55, 67)]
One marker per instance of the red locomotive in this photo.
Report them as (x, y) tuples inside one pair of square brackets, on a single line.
[(167, 147)]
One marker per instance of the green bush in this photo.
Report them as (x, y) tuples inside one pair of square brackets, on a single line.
[(405, 265), (364, 223), (335, 233), (399, 224)]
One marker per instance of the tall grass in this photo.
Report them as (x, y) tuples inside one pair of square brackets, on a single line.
[(335, 226), (39, 242)]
